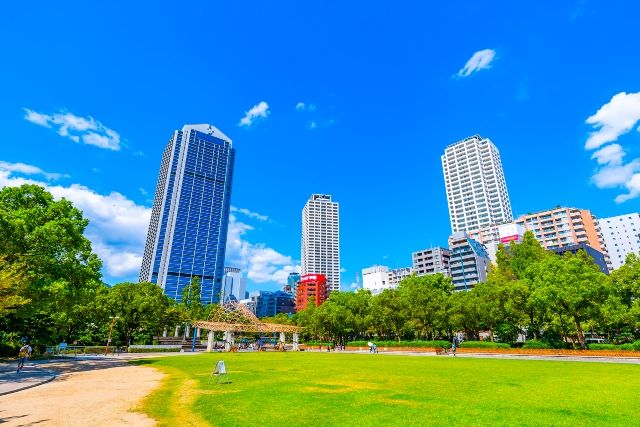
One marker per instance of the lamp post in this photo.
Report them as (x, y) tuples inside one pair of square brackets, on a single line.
[(113, 322)]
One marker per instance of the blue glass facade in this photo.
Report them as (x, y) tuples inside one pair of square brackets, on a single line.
[(271, 303), (188, 229)]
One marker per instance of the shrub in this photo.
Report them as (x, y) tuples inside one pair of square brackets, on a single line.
[(631, 346), (154, 349), (537, 344), (596, 346), (483, 344)]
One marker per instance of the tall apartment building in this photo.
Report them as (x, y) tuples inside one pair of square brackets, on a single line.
[(564, 226), (621, 236), (475, 184), (469, 261), (431, 261), (187, 234), (321, 239)]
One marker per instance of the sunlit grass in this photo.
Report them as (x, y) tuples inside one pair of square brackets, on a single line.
[(362, 389)]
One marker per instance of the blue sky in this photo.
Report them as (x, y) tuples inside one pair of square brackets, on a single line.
[(357, 100)]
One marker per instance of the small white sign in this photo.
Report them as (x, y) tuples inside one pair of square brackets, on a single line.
[(220, 368)]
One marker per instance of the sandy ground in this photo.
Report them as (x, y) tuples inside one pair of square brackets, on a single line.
[(86, 393)]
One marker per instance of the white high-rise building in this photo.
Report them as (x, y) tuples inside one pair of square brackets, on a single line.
[(621, 236), (321, 239), (476, 189)]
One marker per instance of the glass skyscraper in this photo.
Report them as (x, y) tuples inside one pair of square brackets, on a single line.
[(188, 229)]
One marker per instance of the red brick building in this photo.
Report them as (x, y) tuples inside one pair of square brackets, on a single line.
[(311, 285)]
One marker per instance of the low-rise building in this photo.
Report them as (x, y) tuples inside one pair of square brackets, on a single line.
[(468, 263), (398, 274), (271, 303), (596, 255), (431, 261), (311, 286), (375, 279)]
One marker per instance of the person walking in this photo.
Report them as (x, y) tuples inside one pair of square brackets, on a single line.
[(454, 344), (23, 355)]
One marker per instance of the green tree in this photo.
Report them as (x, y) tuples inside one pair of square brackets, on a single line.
[(140, 309), (61, 273), (389, 308), (424, 299), (570, 285)]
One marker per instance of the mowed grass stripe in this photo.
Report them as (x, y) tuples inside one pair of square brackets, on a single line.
[(364, 389)]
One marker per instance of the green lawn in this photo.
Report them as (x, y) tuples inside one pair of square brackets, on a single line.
[(288, 389)]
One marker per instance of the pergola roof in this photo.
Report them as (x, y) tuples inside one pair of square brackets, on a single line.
[(236, 317)]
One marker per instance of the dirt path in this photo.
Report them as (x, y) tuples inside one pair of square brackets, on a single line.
[(86, 393)]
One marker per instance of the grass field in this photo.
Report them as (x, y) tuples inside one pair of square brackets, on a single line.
[(289, 389)]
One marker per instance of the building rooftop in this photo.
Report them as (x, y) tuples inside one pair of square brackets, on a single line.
[(208, 129)]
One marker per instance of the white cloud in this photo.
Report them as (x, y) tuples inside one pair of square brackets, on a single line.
[(118, 230), (77, 128), (343, 270), (25, 169), (250, 214), (313, 125), (260, 263), (610, 154), (117, 226), (633, 185), (259, 110), (611, 176), (300, 106), (479, 61), (612, 120)]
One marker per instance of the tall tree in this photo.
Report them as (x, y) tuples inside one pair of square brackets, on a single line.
[(46, 236)]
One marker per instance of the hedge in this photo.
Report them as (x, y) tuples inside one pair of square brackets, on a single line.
[(632, 346), (483, 344), (154, 349), (414, 344)]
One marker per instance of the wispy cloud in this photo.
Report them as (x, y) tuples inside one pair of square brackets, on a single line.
[(614, 119), (25, 169), (250, 214), (312, 124), (479, 61), (300, 106), (259, 110), (79, 129)]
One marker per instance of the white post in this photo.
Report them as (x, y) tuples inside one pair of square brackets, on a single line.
[(198, 333), (227, 341), (210, 342), (177, 333), (282, 338), (187, 331), (164, 333), (295, 341)]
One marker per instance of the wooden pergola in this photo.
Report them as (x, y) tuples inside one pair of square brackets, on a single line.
[(234, 317)]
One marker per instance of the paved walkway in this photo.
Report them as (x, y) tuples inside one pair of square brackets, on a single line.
[(31, 376)]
